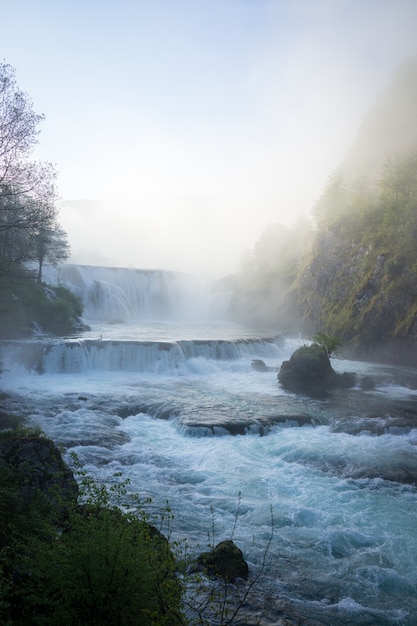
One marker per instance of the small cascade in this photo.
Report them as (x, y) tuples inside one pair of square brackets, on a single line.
[(159, 357), (121, 295)]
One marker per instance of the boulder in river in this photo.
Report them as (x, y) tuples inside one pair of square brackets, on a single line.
[(309, 372), (225, 560)]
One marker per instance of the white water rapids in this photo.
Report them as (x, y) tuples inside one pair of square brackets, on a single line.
[(179, 410)]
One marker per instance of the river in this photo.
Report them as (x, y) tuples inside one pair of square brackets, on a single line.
[(319, 494)]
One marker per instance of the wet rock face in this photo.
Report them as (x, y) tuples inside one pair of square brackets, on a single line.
[(309, 372), (35, 466), (362, 294), (225, 560)]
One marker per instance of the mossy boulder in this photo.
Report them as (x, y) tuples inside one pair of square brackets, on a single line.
[(225, 560), (309, 372)]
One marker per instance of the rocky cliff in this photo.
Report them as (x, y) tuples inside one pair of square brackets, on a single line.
[(360, 293), (355, 276)]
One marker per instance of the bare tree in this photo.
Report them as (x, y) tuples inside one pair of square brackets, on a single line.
[(18, 126)]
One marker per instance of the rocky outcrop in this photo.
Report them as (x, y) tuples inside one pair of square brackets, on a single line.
[(360, 294), (35, 470), (309, 372)]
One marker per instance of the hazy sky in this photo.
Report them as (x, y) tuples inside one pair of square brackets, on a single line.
[(181, 128)]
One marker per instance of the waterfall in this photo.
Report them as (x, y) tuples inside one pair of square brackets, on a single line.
[(121, 295), (83, 355)]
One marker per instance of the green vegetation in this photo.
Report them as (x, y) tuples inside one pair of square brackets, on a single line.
[(70, 562), (360, 279), (76, 553), (356, 276), (29, 229), (331, 345), (26, 304)]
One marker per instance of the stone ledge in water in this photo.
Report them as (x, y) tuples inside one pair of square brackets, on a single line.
[(251, 426)]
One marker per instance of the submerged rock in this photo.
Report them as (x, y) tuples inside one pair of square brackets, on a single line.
[(260, 366), (367, 383), (309, 372)]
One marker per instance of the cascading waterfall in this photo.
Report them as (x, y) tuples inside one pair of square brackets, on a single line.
[(177, 407), (77, 356), (120, 295)]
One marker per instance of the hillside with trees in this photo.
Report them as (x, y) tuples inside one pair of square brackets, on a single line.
[(357, 276), (267, 273), (29, 227)]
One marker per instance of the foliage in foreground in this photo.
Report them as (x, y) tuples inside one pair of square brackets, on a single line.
[(71, 555), (98, 566)]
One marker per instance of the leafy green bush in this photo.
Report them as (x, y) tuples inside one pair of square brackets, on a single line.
[(105, 568), (96, 566), (331, 345)]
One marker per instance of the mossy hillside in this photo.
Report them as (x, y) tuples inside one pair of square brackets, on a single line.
[(26, 305), (361, 283), (357, 278)]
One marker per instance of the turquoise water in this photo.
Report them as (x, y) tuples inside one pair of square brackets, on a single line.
[(157, 403)]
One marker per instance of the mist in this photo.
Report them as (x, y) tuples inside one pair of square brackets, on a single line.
[(388, 129), (180, 131)]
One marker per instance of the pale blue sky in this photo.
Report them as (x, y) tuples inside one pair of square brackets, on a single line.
[(181, 128)]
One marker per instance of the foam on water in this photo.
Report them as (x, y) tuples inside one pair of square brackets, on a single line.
[(333, 536), (158, 404)]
